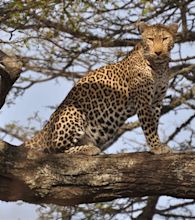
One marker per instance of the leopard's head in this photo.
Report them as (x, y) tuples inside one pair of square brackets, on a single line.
[(157, 41)]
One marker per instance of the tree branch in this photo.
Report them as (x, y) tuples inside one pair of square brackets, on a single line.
[(10, 68), (69, 180), (149, 210)]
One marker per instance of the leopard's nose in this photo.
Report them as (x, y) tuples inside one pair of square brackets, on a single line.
[(158, 53)]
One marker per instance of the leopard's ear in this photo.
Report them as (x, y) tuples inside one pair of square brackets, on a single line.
[(173, 28), (141, 26)]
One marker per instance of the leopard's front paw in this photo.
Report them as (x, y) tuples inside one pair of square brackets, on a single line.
[(161, 149)]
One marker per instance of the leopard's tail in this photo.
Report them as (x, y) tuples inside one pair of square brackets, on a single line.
[(5, 146)]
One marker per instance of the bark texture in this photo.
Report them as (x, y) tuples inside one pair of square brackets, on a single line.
[(70, 180), (10, 69)]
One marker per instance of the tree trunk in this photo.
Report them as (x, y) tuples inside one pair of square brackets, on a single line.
[(10, 69), (69, 180)]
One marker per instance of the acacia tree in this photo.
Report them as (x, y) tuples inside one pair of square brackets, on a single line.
[(55, 39)]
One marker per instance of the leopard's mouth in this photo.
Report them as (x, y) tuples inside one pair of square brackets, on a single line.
[(157, 59)]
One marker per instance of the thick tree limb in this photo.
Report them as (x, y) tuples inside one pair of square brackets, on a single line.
[(70, 180), (10, 68)]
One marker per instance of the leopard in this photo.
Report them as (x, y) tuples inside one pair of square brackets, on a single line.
[(102, 100)]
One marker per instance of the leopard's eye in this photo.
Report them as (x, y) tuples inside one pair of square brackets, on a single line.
[(165, 38), (151, 39)]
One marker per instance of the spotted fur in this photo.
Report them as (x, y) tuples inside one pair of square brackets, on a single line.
[(100, 103)]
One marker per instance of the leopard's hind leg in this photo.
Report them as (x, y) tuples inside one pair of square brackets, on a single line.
[(67, 133)]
